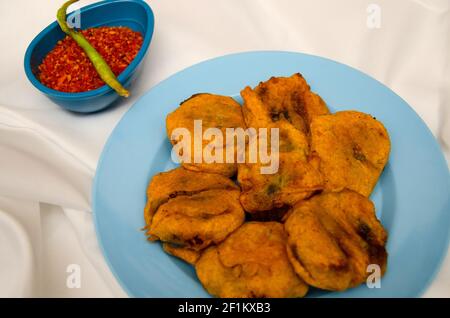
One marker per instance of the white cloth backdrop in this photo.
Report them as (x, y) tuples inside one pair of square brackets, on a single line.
[(48, 156)]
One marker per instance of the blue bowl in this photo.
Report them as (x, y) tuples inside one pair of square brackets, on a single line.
[(135, 14)]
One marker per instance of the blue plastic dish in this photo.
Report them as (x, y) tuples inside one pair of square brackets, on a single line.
[(412, 197), (135, 14)]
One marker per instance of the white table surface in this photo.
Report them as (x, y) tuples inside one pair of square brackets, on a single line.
[(48, 156)]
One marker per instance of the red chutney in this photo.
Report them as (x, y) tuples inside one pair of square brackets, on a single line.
[(67, 68)]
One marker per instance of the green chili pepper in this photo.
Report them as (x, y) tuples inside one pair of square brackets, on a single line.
[(102, 68)]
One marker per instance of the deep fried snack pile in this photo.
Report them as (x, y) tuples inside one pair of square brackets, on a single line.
[(310, 223)]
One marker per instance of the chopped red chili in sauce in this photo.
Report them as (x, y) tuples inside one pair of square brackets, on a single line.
[(66, 68)]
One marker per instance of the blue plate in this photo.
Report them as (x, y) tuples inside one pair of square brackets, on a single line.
[(412, 196)]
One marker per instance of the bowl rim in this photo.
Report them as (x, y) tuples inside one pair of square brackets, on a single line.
[(105, 88)]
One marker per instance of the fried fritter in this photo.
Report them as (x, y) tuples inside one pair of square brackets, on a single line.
[(353, 148), (179, 181), (296, 179), (286, 98), (198, 220), (188, 255), (288, 105), (252, 262), (333, 237), (215, 111)]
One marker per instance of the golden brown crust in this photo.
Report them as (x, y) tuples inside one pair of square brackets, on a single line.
[(215, 111), (288, 105), (199, 220), (186, 254), (333, 237), (353, 148), (251, 262), (179, 181), (290, 98)]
